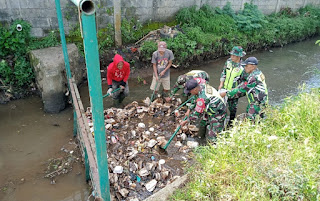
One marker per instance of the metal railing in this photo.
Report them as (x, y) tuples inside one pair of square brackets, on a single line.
[(94, 150)]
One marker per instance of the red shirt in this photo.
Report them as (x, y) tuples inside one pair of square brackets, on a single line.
[(113, 73)]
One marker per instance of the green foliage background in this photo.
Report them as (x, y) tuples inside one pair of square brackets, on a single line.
[(206, 33), (15, 68), (212, 32)]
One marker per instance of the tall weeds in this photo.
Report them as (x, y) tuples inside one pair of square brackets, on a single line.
[(215, 31), (277, 159)]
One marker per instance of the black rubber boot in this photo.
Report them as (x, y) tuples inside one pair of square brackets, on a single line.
[(121, 97), (202, 130), (232, 117)]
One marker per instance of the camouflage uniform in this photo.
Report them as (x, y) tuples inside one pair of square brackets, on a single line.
[(201, 76), (257, 93), (209, 104), (233, 74)]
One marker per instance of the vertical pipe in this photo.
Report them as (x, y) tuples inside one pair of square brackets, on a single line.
[(63, 40), (95, 91), (117, 22)]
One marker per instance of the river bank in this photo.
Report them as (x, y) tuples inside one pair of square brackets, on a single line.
[(205, 34), (285, 69)]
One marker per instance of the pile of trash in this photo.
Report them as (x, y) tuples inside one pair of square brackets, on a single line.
[(134, 135)]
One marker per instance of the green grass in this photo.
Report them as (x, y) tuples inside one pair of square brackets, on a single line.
[(277, 159)]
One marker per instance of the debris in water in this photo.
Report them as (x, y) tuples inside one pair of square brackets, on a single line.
[(192, 144), (150, 186), (132, 134), (118, 170)]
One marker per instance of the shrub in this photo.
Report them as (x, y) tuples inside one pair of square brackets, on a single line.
[(250, 18), (12, 41), (23, 72), (6, 73), (49, 41), (147, 48)]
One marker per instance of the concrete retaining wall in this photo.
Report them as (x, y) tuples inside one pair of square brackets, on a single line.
[(42, 13)]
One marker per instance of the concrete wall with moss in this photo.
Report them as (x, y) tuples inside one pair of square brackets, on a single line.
[(42, 13)]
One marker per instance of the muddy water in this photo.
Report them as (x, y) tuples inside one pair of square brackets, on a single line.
[(29, 137)]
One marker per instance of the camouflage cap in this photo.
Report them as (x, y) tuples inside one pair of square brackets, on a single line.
[(191, 84), (238, 51), (250, 60)]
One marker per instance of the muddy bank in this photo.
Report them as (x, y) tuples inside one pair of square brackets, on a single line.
[(29, 139)]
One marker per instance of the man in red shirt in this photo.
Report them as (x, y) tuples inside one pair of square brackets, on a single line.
[(117, 76)]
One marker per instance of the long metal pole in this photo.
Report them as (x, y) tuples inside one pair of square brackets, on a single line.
[(63, 40), (66, 57), (95, 91)]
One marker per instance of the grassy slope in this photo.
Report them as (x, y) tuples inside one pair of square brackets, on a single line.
[(277, 159)]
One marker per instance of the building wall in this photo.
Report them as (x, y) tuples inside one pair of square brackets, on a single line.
[(42, 13)]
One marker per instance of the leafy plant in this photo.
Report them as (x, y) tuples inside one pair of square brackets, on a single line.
[(106, 37), (250, 18), (12, 41), (49, 41), (128, 29), (23, 72), (6, 73), (147, 48)]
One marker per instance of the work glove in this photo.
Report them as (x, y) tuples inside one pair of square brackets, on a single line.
[(109, 91), (122, 83)]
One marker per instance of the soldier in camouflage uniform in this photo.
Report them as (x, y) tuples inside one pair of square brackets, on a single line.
[(255, 87), (232, 75), (201, 76), (207, 105)]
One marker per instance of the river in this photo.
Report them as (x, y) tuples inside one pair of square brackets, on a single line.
[(29, 137)]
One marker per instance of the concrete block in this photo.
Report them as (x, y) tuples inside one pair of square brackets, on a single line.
[(53, 21), (51, 4), (15, 13), (40, 22), (37, 12), (33, 4), (51, 80), (13, 4), (3, 4), (37, 32), (4, 15)]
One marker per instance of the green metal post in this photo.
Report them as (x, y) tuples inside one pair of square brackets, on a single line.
[(63, 40), (66, 57), (95, 91), (86, 165)]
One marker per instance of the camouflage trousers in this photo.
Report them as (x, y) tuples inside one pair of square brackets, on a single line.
[(233, 106), (254, 109), (214, 123)]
